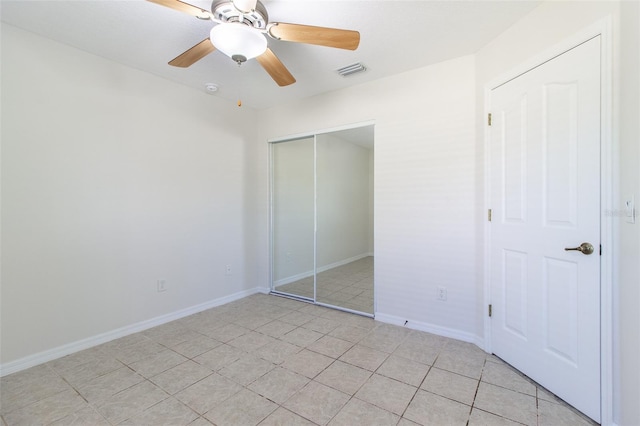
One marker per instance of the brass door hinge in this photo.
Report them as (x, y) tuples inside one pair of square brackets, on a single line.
[(489, 119), (489, 215), (490, 310)]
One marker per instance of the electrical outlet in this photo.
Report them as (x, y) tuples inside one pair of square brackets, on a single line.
[(162, 285), (227, 270), (442, 293), (288, 258)]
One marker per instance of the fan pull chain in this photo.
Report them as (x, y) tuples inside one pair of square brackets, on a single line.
[(241, 79)]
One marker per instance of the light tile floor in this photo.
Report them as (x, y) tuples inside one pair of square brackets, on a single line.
[(269, 360), (348, 286)]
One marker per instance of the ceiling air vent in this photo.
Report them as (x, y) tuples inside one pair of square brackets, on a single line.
[(351, 69)]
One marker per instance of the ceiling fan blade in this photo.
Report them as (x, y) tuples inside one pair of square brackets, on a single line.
[(193, 55), (322, 36), (275, 68), (184, 7)]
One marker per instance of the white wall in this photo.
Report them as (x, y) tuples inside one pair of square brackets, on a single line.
[(629, 249), (424, 186), (111, 180)]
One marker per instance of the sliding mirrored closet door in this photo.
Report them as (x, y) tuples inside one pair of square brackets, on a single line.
[(293, 217), (337, 229)]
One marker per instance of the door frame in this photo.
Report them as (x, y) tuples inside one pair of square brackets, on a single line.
[(608, 167)]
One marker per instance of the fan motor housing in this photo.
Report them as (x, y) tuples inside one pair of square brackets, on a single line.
[(225, 11)]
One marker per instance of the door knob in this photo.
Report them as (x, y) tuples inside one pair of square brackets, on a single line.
[(584, 248)]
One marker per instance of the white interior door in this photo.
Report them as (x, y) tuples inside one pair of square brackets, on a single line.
[(545, 196)]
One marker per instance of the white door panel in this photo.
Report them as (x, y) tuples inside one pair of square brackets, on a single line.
[(545, 194)]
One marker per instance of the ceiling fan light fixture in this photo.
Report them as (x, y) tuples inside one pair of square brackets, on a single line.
[(238, 40)]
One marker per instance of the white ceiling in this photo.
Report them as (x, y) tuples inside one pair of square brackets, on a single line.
[(396, 36)]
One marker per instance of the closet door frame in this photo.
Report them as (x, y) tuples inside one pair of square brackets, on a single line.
[(292, 138)]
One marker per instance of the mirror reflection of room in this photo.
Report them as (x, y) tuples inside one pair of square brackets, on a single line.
[(293, 217), (340, 264), (344, 185)]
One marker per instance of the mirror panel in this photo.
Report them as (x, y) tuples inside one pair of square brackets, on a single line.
[(344, 209), (293, 254), (322, 218)]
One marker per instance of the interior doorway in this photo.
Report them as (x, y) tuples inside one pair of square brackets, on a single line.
[(545, 235)]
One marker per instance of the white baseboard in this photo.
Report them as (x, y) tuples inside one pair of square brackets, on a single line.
[(431, 328), (60, 351), (293, 278), (306, 274)]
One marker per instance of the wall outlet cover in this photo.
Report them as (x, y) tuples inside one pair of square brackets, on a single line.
[(442, 293)]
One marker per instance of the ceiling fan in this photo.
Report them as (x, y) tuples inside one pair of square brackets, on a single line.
[(240, 34)]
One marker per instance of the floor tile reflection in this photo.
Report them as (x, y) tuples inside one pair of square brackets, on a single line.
[(348, 286)]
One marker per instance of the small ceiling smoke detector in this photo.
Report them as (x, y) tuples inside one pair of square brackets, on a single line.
[(211, 87), (351, 69)]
